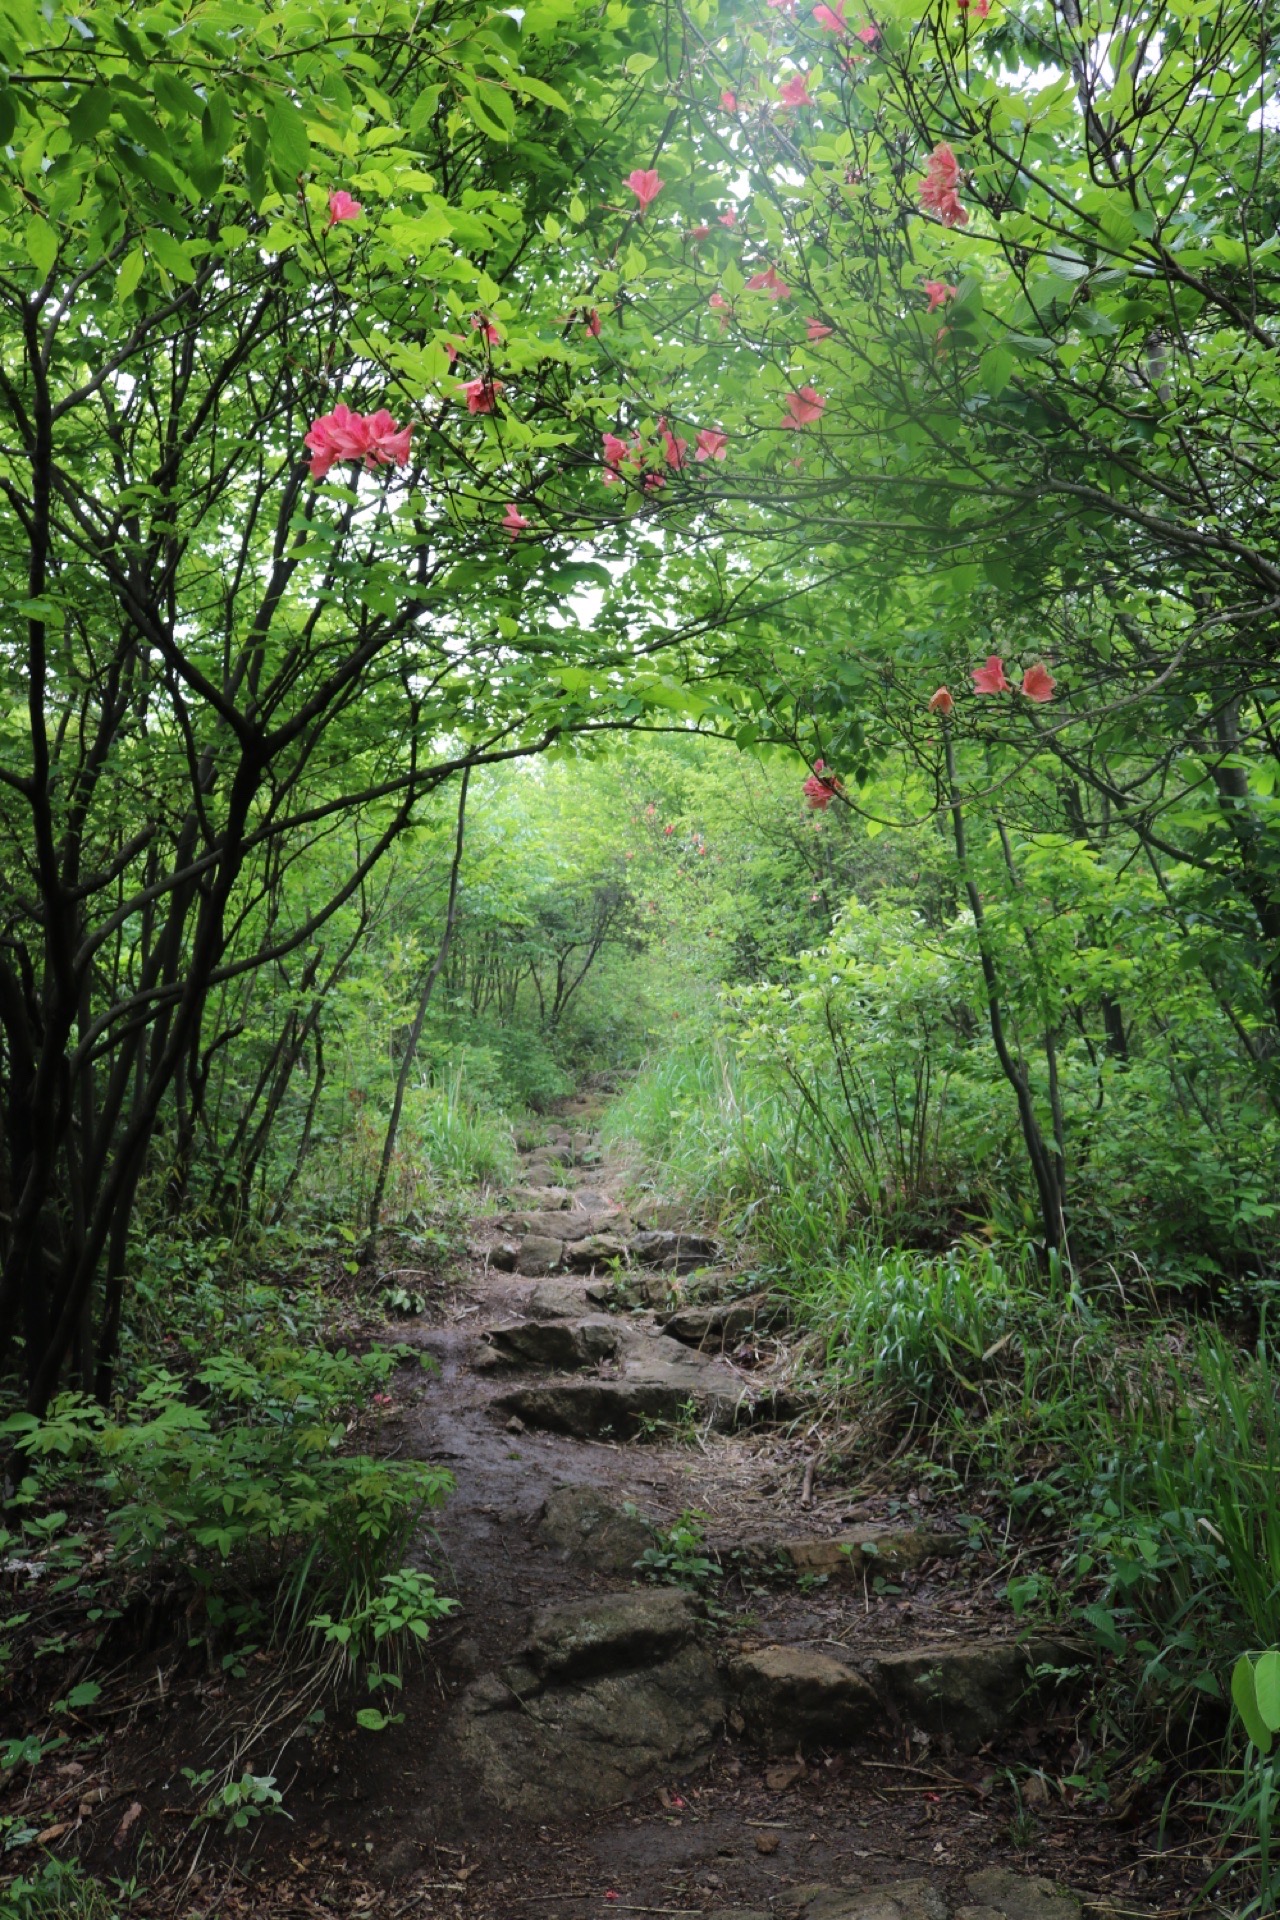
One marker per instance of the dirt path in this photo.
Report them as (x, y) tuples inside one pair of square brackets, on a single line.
[(836, 1736)]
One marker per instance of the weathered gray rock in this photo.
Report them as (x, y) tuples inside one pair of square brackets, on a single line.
[(965, 1693), (681, 1252), (597, 1250), (889, 1550), (563, 1344), (505, 1256), (797, 1696), (720, 1322), (1017, 1897), (580, 1522), (573, 1224), (538, 1254), (896, 1900), (659, 1380), (603, 1696), (543, 1199), (559, 1299), (579, 1638)]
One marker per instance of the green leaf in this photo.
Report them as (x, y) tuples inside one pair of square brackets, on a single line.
[(217, 126), (42, 244), (130, 273), (8, 114), (372, 1720), (1266, 1687), (89, 113), (492, 109), (171, 255), (1244, 1694), (287, 133)]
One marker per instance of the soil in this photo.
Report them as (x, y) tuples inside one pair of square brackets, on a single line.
[(393, 1823)]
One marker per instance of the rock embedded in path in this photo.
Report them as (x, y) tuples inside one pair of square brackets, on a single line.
[(581, 1523), (538, 1254), (563, 1344), (859, 1550), (797, 1697), (896, 1900), (558, 1299), (557, 1225), (660, 1381), (721, 1322), (966, 1694), (604, 1697), (597, 1250), (997, 1891), (681, 1252), (542, 1199)]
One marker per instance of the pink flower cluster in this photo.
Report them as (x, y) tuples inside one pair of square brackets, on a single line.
[(821, 789), (803, 408), (646, 183), (1037, 682), (939, 190), (341, 435), (709, 445), (343, 207), (769, 281)]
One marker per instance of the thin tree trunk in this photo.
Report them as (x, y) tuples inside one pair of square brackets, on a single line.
[(420, 1014)]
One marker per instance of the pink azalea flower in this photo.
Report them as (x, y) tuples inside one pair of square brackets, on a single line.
[(832, 18), (343, 435), (729, 101), (795, 92), (990, 678), (1038, 683), (729, 218), (653, 482), (343, 207), (803, 408), (711, 445), (868, 35), (646, 185), (938, 190), (514, 521), (615, 452), (668, 830), (673, 449), (820, 790), (719, 302), (786, 5), (770, 282), (592, 321), (814, 330), (941, 702), (487, 327), (481, 395), (939, 292), (699, 233)]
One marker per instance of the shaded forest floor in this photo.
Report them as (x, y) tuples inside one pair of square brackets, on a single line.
[(810, 1688)]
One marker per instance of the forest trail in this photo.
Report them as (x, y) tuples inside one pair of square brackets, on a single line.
[(828, 1738)]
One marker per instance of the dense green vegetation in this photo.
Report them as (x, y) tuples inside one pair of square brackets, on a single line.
[(788, 638)]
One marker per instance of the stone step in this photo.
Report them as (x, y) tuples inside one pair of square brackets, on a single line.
[(660, 1381), (963, 1693)]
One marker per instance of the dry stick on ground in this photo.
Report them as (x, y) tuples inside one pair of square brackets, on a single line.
[(420, 1014)]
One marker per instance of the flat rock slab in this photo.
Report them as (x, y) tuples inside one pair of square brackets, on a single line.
[(998, 1891), (542, 1199), (966, 1693), (574, 1223), (538, 1254), (581, 1524), (680, 1252), (562, 1344), (605, 1696), (890, 1550), (597, 1250), (721, 1321), (660, 1380), (563, 1299), (896, 1900), (797, 1697)]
